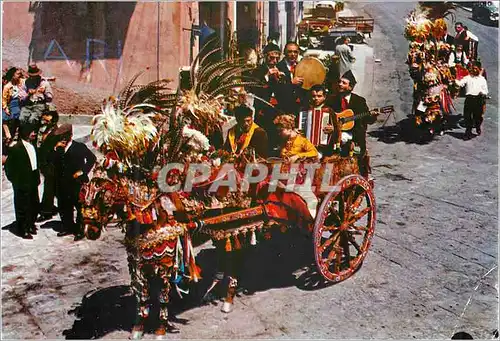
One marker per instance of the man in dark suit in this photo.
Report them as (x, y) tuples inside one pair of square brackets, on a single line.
[(290, 95), (46, 143), (21, 169), (246, 133), (346, 99), (73, 161), (269, 75)]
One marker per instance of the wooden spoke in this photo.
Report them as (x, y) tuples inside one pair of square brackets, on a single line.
[(331, 255), (357, 202), (345, 245), (338, 261), (333, 216), (329, 242), (330, 227), (347, 202), (358, 228), (359, 215), (350, 196), (354, 243)]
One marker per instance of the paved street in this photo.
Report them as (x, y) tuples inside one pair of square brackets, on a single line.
[(431, 270)]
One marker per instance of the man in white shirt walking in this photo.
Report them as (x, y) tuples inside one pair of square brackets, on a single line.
[(346, 57), (21, 168), (476, 90)]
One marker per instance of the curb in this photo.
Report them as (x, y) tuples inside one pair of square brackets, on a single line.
[(468, 9)]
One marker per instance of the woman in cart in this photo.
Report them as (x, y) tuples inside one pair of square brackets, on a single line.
[(294, 146)]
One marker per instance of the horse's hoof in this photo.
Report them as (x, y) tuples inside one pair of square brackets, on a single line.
[(160, 332), (227, 307), (136, 334)]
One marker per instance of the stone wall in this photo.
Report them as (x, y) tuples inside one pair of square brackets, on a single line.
[(94, 48)]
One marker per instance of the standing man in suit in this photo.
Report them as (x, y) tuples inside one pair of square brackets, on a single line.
[(73, 161), (290, 95), (268, 74), (21, 169), (46, 143), (346, 99)]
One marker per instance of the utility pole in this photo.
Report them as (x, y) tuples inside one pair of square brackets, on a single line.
[(195, 31)]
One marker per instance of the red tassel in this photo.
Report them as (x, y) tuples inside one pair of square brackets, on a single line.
[(139, 217), (148, 219), (228, 244), (237, 244)]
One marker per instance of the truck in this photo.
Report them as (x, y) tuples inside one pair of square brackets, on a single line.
[(359, 23)]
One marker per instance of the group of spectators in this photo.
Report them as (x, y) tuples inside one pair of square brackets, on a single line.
[(34, 144), (25, 96)]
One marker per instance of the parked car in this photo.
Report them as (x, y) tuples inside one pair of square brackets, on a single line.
[(486, 12)]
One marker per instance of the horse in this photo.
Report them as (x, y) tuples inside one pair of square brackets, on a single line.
[(163, 254)]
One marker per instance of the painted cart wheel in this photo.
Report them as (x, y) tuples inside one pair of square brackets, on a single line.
[(344, 228)]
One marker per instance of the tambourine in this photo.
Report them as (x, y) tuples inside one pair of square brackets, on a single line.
[(311, 70)]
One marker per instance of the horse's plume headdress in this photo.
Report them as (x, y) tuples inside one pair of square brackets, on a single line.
[(145, 124), (428, 21)]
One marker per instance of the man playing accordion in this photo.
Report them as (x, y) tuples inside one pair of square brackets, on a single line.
[(319, 123)]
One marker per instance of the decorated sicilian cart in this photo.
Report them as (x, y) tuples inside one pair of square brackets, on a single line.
[(428, 66), (166, 184)]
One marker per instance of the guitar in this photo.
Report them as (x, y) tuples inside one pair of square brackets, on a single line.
[(347, 117)]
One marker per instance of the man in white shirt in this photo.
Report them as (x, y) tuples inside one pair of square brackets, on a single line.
[(21, 168), (476, 90)]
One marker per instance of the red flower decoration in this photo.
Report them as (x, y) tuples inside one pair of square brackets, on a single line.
[(154, 176)]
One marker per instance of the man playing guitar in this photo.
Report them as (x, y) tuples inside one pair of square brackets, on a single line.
[(344, 100)]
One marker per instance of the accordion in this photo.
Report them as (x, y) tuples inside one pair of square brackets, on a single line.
[(311, 124)]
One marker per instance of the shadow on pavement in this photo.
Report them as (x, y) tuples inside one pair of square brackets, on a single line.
[(12, 228), (270, 264), (406, 131), (284, 261), (56, 225), (103, 311)]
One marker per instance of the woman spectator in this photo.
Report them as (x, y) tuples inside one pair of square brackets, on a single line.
[(12, 93)]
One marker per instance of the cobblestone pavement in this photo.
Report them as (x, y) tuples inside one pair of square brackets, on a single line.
[(431, 270)]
